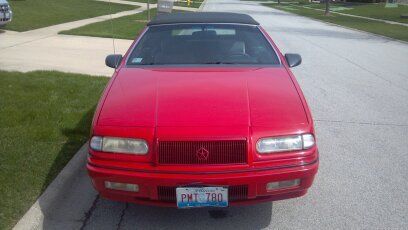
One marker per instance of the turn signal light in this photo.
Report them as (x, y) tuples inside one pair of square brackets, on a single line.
[(122, 186), (282, 184)]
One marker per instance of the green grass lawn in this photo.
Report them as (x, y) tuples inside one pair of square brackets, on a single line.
[(33, 14), (127, 27), (392, 31), (45, 118), (193, 4), (368, 10), (144, 1)]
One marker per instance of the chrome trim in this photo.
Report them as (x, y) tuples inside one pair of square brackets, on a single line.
[(305, 164), (274, 50)]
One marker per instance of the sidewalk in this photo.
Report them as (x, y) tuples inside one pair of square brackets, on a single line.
[(145, 5), (45, 49)]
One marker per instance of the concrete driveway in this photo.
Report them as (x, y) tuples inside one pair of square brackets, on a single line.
[(357, 87)]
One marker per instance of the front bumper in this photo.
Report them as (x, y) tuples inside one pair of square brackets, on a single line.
[(255, 181)]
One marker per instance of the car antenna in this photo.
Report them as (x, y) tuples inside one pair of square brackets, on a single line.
[(112, 29)]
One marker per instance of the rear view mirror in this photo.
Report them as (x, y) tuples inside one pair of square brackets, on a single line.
[(113, 60), (293, 59)]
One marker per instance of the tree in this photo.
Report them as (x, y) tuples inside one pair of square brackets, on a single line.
[(327, 11)]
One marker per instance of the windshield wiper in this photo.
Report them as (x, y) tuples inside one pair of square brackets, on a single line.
[(219, 63), (206, 63)]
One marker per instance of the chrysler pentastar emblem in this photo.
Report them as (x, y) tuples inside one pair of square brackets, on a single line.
[(202, 153)]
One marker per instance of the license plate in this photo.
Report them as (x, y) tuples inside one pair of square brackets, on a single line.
[(195, 197), (7, 15)]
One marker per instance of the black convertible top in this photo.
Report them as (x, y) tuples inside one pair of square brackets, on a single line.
[(202, 17)]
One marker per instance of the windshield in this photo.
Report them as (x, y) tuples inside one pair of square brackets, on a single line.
[(203, 44)]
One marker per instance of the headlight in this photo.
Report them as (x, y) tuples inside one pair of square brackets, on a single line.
[(287, 143), (119, 145)]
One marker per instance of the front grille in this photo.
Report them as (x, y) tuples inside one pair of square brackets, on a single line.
[(235, 193), (202, 152)]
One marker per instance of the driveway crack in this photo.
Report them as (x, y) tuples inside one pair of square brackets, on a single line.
[(121, 216), (88, 213)]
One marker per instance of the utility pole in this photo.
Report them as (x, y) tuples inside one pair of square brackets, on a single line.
[(148, 10), (327, 11)]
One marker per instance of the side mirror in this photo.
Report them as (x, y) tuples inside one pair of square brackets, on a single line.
[(293, 59), (113, 60)]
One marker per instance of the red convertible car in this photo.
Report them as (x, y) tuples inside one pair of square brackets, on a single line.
[(202, 110)]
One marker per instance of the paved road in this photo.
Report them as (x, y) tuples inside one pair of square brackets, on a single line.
[(357, 87)]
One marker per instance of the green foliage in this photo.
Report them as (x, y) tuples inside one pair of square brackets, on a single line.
[(45, 118), (127, 27), (33, 14), (144, 1), (378, 11), (193, 4)]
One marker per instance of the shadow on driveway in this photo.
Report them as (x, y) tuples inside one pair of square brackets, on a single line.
[(106, 214), (68, 197), (244, 217), (76, 137)]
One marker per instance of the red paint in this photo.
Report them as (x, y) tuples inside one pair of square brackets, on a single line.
[(206, 104)]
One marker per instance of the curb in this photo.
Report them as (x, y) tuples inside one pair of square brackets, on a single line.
[(34, 217)]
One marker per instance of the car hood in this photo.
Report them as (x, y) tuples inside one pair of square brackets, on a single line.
[(3, 2), (194, 97)]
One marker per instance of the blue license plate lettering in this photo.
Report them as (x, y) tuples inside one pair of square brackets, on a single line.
[(194, 197)]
